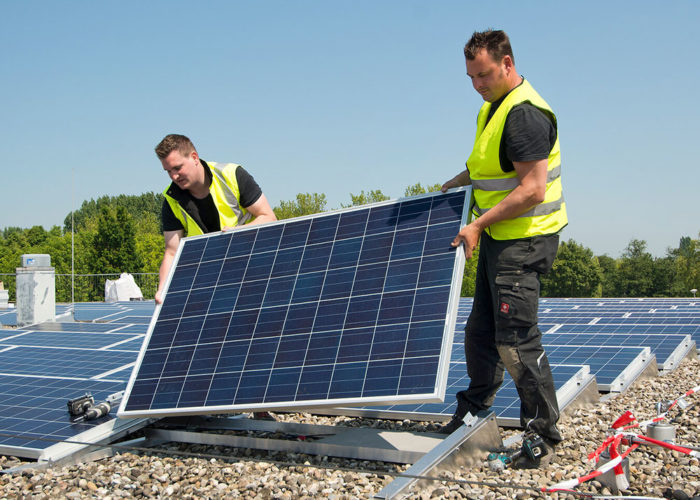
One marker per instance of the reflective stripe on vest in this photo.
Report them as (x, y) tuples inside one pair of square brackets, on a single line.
[(510, 183), (541, 209), (231, 199), (491, 184)]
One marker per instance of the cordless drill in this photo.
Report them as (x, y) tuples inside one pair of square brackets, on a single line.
[(532, 446), (84, 407)]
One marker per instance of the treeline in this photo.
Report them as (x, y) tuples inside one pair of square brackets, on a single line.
[(116, 234)]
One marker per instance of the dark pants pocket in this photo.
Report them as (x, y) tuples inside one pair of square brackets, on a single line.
[(518, 294)]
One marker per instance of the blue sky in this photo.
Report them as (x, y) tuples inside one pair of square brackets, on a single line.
[(337, 97)]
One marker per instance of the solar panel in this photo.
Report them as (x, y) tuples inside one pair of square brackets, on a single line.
[(347, 307), (123, 312), (568, 379), (33, 416), (61, 362), (8, 317), (51, 326), (43, 367), (669, 349), (78, 340), (615, 368)]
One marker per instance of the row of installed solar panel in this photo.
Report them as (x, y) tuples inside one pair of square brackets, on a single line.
[(615, 359), (46, 365), (49, 415), (632, 302), (676, 317)]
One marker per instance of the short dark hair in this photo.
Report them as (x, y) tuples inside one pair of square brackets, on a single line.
[(172, 142), (496, 43)]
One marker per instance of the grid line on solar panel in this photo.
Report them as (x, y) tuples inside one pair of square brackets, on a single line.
[(32, 408), (76, 340), (506, 403), (617, 319), (60, 362), (606, 360), (606, 328), (664, 347), (39, 373), (9, 317), (306, 311)]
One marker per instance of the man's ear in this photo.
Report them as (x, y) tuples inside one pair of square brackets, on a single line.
[(508, 62)]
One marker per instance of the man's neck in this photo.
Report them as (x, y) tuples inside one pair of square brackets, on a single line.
[(201, 189)]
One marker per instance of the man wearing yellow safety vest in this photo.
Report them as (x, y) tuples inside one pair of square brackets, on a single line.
[(203, 198), (518, 211)]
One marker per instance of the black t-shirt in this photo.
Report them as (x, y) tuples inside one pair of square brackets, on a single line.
[(529, 134), (205, 209)]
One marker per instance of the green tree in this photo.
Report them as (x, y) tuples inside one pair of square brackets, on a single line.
[(686, 259), (636, 271), (663, 276), (575, 273), (609, 283), (114, 244), (138, 206), (365, 198), (417, 188), (305, 204), (35, 236)]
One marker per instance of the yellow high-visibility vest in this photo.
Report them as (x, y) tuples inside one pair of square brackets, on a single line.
[(225, 193), (491, 184)]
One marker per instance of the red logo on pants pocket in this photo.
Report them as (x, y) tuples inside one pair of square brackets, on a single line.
[(505, 308)]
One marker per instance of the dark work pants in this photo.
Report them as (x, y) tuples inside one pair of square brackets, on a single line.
[(502, 331)]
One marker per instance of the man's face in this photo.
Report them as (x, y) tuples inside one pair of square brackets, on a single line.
[(182, 169), (489, 77)]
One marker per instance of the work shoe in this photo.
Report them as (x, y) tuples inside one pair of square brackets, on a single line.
[(525, 461), (263, 415), (452, 425), (458, 417)]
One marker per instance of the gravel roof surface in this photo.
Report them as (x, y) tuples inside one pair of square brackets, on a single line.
[(220, 472)]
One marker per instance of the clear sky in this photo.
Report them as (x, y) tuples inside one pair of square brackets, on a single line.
[(339, 96)]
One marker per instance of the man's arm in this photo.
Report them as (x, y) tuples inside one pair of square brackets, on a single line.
[(261, 211), (172, 241), (532, 177), (461, 179)]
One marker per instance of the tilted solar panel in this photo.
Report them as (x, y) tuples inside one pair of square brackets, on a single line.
[(350, 307)]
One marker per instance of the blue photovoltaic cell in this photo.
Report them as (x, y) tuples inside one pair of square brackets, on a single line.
[(348, 306), (51, 326), (8, 317), (122, 312), (33, 411), (77, 340), (607, 347), (44, 366), (662, 346), (506, 404), (61, 362), (130, 328)]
